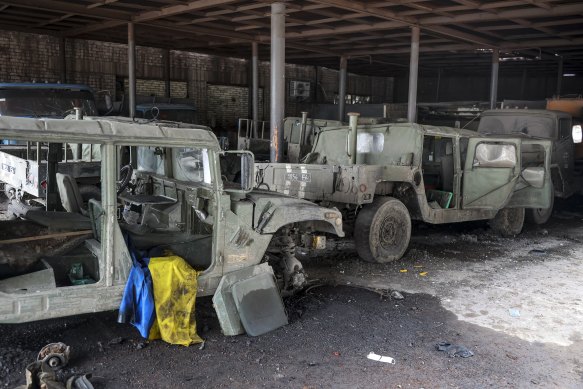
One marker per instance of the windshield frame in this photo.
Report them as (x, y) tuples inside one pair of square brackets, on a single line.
[(45, 102)]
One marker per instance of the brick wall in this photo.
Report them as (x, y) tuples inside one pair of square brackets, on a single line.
[(178, 89), (216, 85)]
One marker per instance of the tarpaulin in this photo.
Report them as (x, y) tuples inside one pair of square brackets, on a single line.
[(175, 286), (137, 304)]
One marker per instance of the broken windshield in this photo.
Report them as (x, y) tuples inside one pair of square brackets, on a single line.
[(45, 102), (187, 163), (537, 126)]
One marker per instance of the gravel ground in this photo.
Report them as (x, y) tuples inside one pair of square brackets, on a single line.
[(518, 310)]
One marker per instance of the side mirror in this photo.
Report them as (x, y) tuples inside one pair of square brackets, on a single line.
[(237, 170), (577, 134), (534, 176)]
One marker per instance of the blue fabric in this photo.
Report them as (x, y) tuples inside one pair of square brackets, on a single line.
[(137, 304)]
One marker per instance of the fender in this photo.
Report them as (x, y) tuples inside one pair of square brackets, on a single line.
[(273, 211)]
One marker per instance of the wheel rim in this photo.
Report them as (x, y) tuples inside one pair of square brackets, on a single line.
[(388, 234)]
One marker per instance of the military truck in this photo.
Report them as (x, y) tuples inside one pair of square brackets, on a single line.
[(298, 134), (382, 176), (177, 200), (566, 172), (40, 100)]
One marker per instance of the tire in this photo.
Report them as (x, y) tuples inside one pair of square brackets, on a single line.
[(508, 222), (382, 230), (540, 215)]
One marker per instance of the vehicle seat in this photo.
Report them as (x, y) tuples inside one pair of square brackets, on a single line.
[(447, 169), (70, 196), (75, 219)]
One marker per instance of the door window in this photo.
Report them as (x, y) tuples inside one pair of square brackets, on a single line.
[(495, 155)]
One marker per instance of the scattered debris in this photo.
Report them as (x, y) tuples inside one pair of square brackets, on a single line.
[(380, 358), (80, 381), (396, 295), (141, 345), (469, 238), (537, 252), (453, 350), (55, 355), (117, 340), (77, 277), (423, 273), (514, 312), (403, 271), (46, 372), (336, 353)]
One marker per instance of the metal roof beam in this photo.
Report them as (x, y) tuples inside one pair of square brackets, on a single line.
[(67, 7), (360, 7), (559, 10), (178, 9), (146, 16)]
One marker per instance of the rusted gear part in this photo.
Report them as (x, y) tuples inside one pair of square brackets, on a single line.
[(56, 355)]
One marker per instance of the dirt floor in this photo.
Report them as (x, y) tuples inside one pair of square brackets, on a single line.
[(517, 304)]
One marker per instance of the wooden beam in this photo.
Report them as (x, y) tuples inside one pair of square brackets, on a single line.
[(43, 237)]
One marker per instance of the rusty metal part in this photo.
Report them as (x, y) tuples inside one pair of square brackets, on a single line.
[(56, 355)]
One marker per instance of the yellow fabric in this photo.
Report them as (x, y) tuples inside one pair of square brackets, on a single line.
[(175, 285)]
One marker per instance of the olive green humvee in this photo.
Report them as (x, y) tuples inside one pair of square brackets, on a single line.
[(382, 176), (178, 200), (566, 161)]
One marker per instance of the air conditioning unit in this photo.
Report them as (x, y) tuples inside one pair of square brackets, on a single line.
[(299, 89)]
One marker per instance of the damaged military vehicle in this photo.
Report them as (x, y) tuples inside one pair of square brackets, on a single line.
[(383, 176), (566, 155), (75, 260)]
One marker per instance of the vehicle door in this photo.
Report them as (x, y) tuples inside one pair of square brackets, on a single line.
[(491, 170), (534, 187), (563, 156), (82, 264)]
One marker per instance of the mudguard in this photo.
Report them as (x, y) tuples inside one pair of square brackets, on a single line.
[(273, 211)]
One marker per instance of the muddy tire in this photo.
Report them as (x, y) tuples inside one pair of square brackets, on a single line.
[(382, 230), (508, 222), (540, 215)]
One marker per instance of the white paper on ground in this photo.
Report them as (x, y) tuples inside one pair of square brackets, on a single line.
[(380, 358)]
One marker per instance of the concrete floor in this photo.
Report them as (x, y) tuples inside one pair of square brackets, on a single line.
[(516, 302), (529, 286)]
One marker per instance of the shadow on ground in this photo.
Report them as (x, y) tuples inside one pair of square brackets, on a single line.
[(332, 330)]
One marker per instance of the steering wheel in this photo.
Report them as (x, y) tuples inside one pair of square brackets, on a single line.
[(125, 174)]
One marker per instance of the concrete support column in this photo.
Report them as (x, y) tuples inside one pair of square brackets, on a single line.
[(277, 78), (255, 83), (342, 88), (494, 79), (131, 70), (560, 77), (166, 65), (413, 74), (63, 60)]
